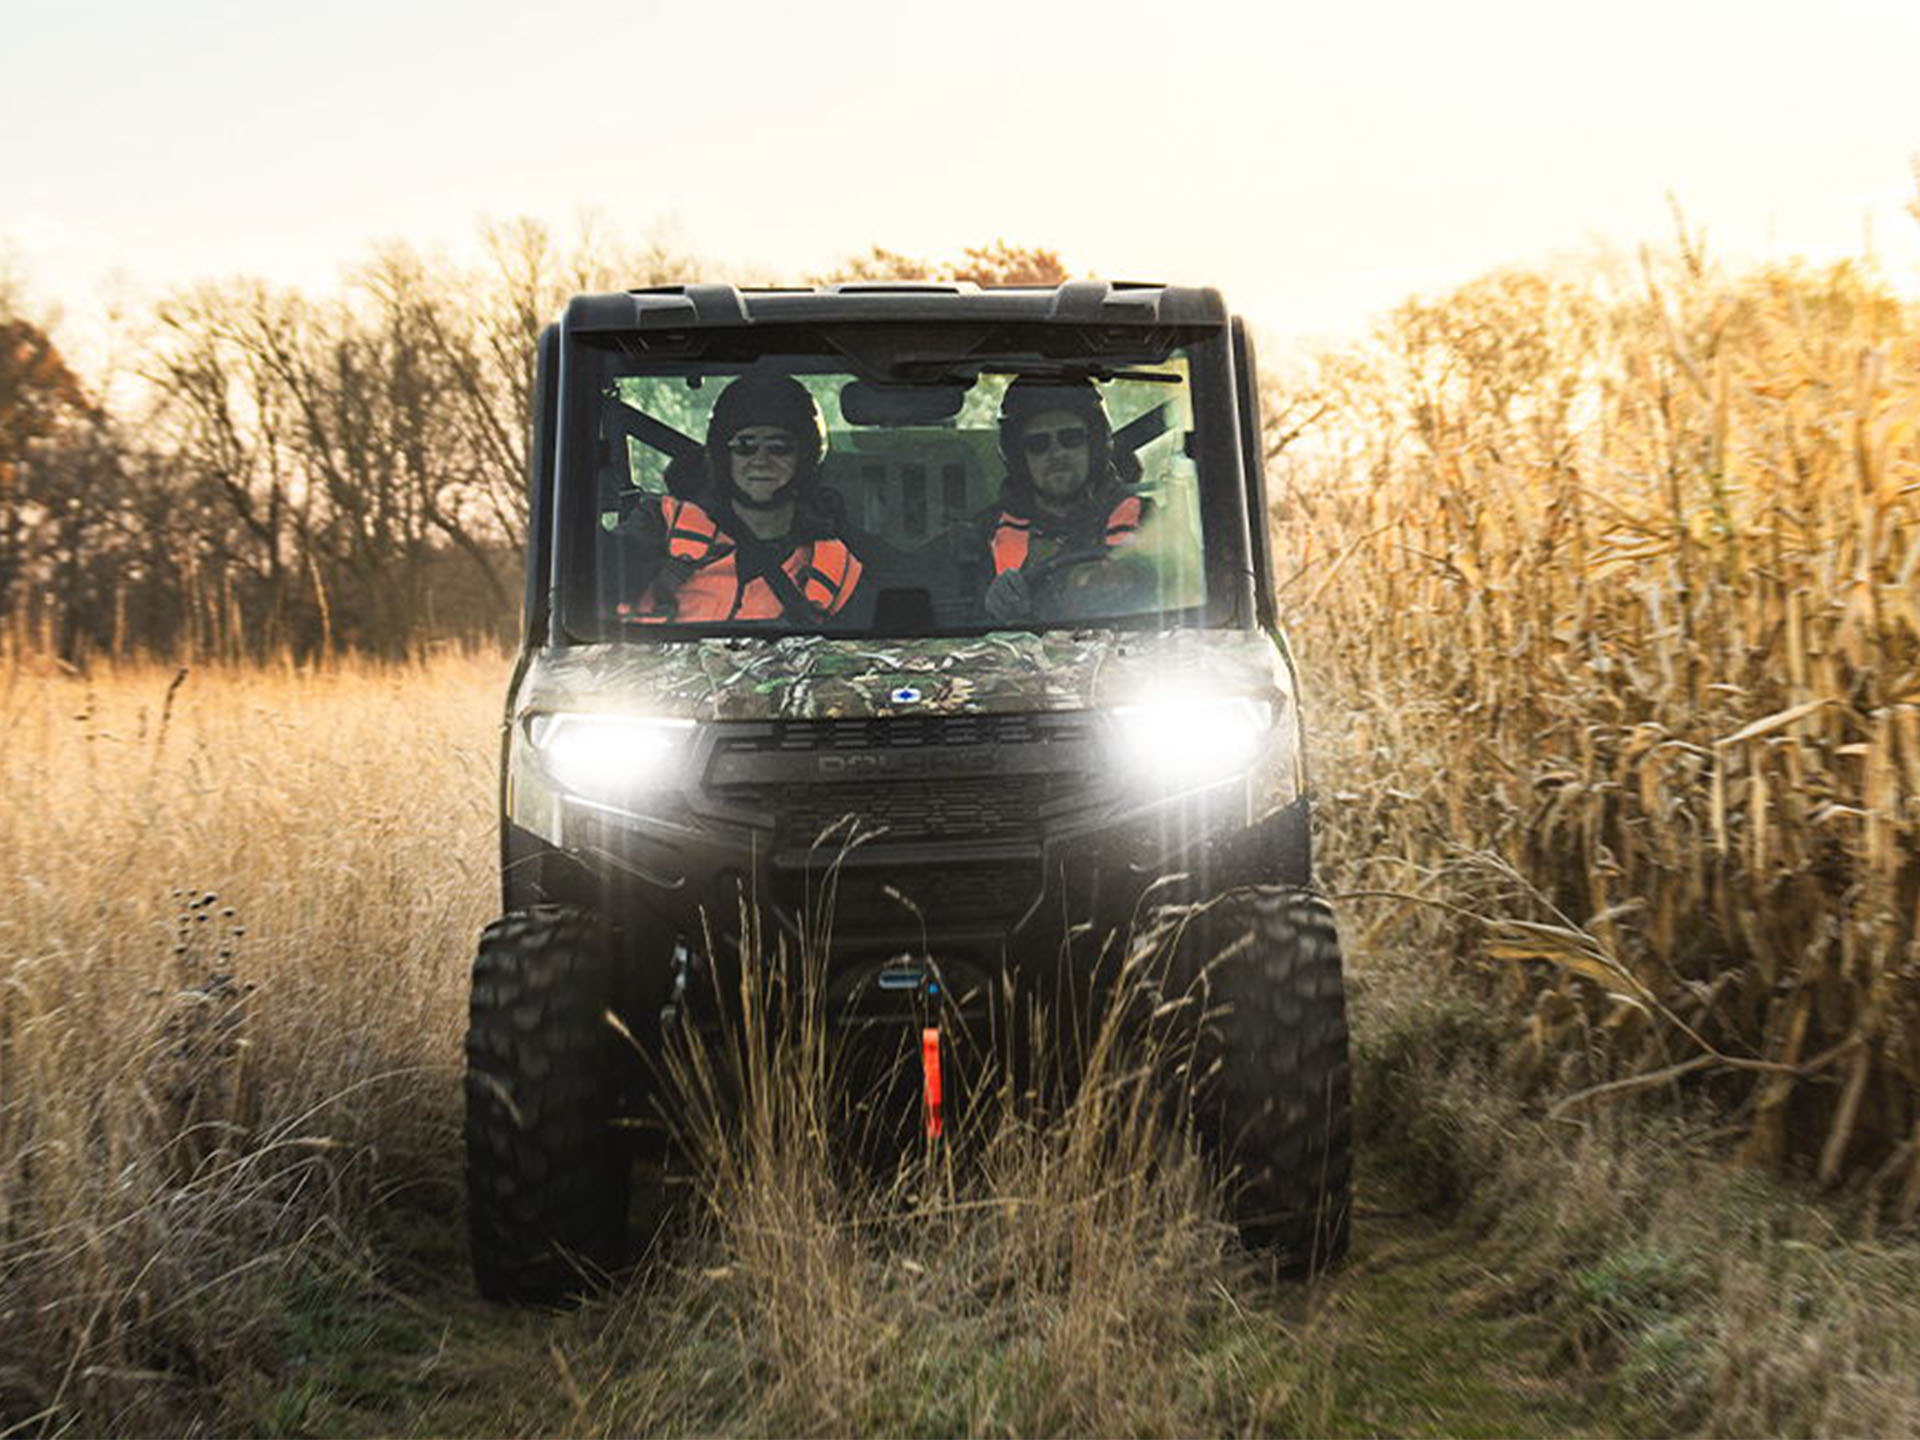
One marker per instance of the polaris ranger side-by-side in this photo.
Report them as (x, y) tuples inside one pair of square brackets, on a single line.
[(935, 626)]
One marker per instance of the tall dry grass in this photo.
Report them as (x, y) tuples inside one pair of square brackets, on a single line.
[(235, 915), (1612, 590), (1045, 1268), (238, 913)]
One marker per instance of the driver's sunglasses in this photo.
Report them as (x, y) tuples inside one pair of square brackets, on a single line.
[(1039, 442), (746, 446)]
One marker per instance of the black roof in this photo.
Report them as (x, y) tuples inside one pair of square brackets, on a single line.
[(1077, 302)]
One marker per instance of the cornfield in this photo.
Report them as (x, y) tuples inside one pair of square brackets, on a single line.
[(1614, 591)]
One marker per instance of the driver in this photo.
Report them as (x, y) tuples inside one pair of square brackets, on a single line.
[(1064, 500), (764, 546)]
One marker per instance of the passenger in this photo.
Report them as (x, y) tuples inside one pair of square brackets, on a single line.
[(764, 545), (1063, 504)]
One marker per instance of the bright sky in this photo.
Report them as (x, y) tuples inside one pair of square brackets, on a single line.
[(1316, 161)]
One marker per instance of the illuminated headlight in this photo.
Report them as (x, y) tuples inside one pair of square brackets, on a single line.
[(1189, 742), (610, 755)]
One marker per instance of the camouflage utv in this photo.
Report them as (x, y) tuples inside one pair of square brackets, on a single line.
[(955, 798)]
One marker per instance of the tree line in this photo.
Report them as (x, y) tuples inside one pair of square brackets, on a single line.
[(272, 471)]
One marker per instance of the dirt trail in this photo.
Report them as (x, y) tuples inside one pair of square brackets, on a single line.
[(1416, 1334)]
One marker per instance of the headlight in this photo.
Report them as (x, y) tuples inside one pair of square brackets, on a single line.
[(1189, 742), (610, 755)]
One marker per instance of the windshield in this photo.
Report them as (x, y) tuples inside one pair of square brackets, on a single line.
[(907, 481)]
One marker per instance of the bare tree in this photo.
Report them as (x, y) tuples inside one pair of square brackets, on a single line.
[(225, 412), (317, 472)]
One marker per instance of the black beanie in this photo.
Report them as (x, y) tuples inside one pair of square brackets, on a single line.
[(767, 400), (1027, 397)]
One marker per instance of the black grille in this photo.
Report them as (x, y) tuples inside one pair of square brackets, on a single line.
[(798, 737), (988, 808), (914, 778)]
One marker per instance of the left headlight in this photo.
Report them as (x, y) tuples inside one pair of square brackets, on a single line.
[(610, 755), (1189, 742)]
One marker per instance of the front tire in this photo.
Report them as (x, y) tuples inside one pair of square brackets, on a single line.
[(547, 1173), (1268, 1077)]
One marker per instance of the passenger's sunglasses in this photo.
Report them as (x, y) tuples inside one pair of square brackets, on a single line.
[(746, 446), (1039, 442)]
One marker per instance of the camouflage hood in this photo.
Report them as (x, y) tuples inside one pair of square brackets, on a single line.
[(816, 677)]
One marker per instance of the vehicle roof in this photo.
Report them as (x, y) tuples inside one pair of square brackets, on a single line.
[(1076, 302)]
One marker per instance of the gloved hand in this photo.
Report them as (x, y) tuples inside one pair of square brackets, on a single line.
[(1010, 598), (644, 527)]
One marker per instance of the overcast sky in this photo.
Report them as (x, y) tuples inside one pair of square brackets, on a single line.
[(1317, 162)]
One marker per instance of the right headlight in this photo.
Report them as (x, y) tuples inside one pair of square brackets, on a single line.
[(608, 756), (1181, 743)]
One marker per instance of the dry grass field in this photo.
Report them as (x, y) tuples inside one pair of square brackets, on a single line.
[(238, 914), (1606, 604), (234, 919)]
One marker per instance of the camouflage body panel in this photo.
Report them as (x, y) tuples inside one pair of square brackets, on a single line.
[(814, 677)]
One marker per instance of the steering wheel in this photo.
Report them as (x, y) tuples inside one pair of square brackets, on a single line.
[(1121, 589), (1052, 571)]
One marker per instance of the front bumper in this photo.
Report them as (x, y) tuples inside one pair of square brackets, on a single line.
[(1005, 907), (1000, 841)]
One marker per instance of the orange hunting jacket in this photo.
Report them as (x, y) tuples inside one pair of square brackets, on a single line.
[(1012, 536), (824, 571)]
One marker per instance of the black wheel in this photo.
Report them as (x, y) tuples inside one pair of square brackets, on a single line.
[(547, 1172), (1268, 1071)]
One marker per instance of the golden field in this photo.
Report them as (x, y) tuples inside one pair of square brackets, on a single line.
[(231, 1188), (235, 915)]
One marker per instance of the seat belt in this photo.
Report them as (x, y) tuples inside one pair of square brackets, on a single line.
[(758, 561)]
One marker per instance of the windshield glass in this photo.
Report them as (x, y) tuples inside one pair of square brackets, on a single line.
[(943, 489)]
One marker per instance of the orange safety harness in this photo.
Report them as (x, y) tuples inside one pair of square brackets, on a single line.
[(820, 573), (1013, 534)]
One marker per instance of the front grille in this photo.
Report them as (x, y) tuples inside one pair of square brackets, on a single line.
[(913, 779), (799, 737), (986, 808)]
